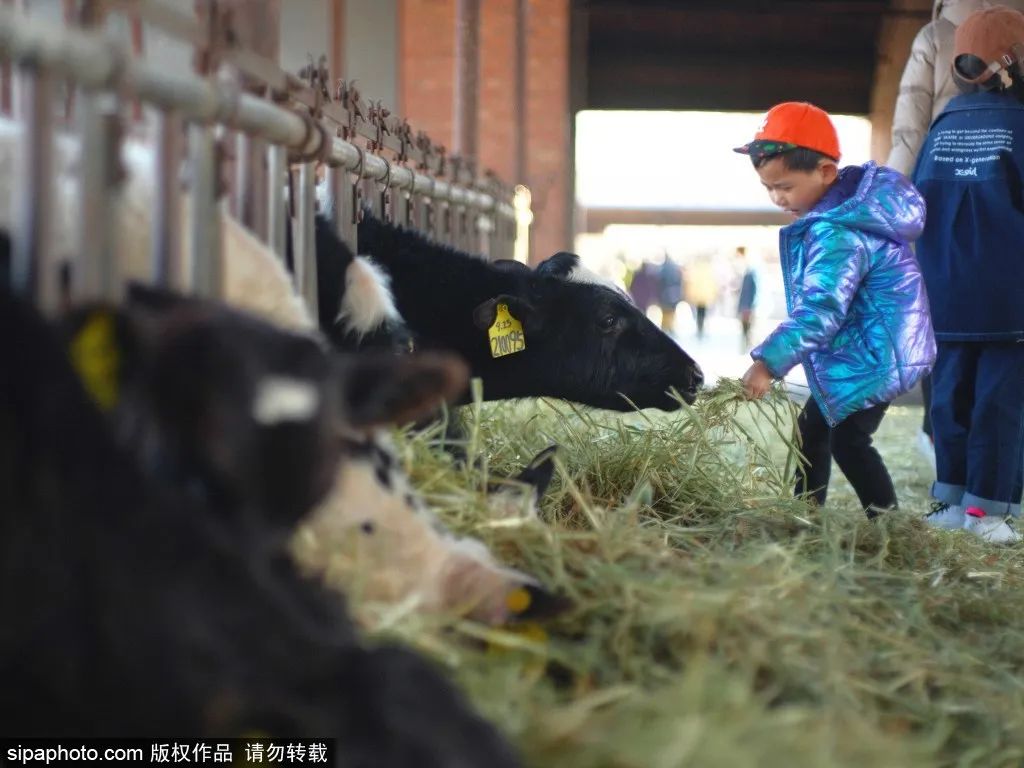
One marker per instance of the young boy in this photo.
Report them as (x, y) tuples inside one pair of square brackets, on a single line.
[(970, 172), (858, 315)]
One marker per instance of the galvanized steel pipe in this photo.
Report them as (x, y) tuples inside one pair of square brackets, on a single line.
[(168, 267), (92, 61)]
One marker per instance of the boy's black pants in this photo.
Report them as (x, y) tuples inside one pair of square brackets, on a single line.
[(849, 442)]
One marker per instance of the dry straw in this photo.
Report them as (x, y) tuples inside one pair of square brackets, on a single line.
[(717, 621)]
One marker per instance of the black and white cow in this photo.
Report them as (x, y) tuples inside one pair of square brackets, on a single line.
[(238, 410), (379, 533), (256, 281), (130, 607), (355, 306), (234, 411), (584, 339)]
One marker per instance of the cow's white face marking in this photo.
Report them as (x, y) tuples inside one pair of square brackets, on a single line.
[(368, 302), (580, 274), (281, 398)]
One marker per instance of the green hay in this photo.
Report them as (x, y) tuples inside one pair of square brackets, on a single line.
[(717, 621)]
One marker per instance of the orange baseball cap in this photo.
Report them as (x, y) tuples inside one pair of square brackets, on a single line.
[(795, 124)]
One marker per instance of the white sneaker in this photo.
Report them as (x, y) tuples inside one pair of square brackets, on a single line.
[(927, 447), (991, 528), (949, 517)]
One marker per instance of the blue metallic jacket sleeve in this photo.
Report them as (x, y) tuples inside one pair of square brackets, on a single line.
[(836, 262)]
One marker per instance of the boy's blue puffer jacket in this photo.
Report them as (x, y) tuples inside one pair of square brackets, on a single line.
[(858, 312)]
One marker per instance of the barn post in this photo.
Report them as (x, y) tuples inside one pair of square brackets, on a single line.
[(336, 40), (166, 253), (97, 274), (897, 30), (34, 268), (277, 210), (207, 273), (305, 237), (343, 196), (345, 190), (466, 107), (440, 203), (521, 102), (467, 78), (256, 26), (457, 208), (7, 89), (204, 243), (138, 49)]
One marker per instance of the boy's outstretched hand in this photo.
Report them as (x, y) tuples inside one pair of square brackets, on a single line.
[(757, 381)]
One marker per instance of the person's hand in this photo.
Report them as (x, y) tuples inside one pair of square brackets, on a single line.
[(757, 381)]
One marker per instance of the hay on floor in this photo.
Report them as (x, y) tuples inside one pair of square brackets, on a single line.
[(717, 621)]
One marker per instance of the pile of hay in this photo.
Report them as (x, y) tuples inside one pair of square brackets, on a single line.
[(716, 620)]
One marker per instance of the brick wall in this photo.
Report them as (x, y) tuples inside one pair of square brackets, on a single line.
[(426, 70), (497, 117), (426, 82), (548, 148)]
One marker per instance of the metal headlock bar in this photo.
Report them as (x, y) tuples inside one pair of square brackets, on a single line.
[(304, 117)]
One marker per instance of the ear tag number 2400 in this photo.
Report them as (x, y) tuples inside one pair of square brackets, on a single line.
[(506, 334)]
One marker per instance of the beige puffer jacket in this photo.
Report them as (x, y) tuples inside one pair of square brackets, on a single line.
[(927, 84)]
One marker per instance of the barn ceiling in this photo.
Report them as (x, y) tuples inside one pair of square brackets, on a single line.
[(728, 54)]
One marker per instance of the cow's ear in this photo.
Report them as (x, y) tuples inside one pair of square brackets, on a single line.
[(110, 346), (379, 389), (104, 347), (521, 310), (512, 266), (559, 265), (148, 297)]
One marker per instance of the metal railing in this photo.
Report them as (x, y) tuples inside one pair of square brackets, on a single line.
[(373, 158)]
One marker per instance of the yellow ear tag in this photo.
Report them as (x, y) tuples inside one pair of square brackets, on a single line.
[(95, 357), (506, 334)]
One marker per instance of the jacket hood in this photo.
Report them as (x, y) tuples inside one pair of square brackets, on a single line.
[(884, 203), (955, 11)]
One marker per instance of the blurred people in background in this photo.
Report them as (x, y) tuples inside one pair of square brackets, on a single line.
[(701, 291), (747, 297), (670, 292), (644, 287)]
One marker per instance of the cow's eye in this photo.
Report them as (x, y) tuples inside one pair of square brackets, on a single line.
[(606, 322)]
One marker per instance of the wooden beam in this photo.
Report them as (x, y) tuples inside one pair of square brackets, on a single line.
[(895, 38), (596, 220), (727, 85), (747, 7)]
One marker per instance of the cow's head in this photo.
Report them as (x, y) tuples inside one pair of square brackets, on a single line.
[(587, 342), (238, 411), (376, 535)]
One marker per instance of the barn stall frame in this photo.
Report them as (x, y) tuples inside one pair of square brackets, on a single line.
[(278, 120)]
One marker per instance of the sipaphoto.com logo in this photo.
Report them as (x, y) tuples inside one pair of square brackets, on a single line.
[(62, 754)]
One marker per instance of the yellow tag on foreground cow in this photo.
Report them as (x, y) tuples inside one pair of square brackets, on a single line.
[(506, 334), (96, 358)]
